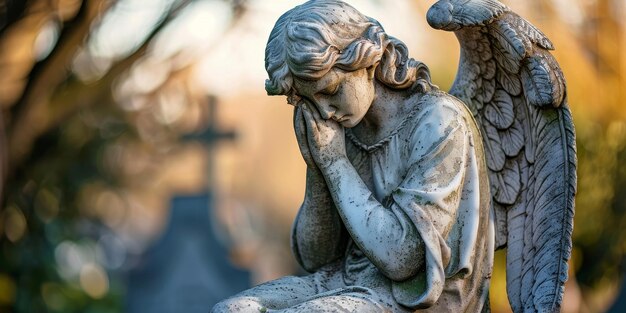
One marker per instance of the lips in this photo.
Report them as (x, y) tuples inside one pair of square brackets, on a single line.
[(340, 119)]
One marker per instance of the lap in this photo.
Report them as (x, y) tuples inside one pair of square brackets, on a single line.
[(323, 291), (348, 299)]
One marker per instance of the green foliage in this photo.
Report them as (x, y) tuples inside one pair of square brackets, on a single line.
[(45, 193), (599, 238)]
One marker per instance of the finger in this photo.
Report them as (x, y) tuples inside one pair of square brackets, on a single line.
[(311, 124), (302, 138), (315, 113), (300, 130), (298, 121), (296, 113)]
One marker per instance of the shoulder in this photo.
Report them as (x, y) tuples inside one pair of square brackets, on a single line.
[(440, 125), (439, 101), (438, 108)]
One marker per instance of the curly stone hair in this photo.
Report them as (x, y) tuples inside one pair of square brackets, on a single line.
[(310, 39)]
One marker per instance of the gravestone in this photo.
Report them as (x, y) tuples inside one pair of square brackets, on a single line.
[(187, 270)]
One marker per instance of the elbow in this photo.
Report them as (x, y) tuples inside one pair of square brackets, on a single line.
[(308, 259), (309, 266), (401, 265), (401, 261), (312, 266), (313, 259), (400, 258), (313, 252), (399, 272)]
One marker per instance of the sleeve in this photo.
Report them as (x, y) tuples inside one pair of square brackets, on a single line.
[(430, 195), (317, 236)]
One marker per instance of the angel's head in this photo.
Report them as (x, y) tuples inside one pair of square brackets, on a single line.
[(323, 38)]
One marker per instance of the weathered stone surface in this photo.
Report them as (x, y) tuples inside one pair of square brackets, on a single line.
[(405, 200)]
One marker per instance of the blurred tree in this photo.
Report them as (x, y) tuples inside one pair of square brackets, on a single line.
[(600, 237), (68, 146)]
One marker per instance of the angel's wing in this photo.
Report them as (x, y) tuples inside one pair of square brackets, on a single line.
[(516, 91)]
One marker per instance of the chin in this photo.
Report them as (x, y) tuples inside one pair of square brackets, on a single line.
[(351, 121), (349, 124)]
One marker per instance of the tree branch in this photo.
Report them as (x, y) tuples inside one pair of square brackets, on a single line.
[(47, 110)]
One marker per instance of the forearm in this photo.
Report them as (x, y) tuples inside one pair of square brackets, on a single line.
[(317, 237), (389, 239)]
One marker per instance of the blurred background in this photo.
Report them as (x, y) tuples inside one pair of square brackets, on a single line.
[(144, 169)]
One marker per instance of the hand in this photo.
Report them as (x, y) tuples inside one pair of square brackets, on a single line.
[(326, 138), (299, 126)]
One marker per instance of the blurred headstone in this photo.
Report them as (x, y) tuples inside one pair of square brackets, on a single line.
[(187, 269), (210, 136), (620, 302)]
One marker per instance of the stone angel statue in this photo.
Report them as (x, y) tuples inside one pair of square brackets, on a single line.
[(409, 189)]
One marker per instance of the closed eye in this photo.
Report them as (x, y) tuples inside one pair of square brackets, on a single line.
[(330, 90)]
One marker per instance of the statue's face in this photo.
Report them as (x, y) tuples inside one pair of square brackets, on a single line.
[(339, 95)]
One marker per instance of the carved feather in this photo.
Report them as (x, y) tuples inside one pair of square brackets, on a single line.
[(540, 87), (500, 111), (512, 139), (516, 91), (452, 15), (493, 147), (525, 118), (506, 59), (507, 183), (509, 40), (488, 69), (530, 31), (489, 90), (510, 82), (500, 221)]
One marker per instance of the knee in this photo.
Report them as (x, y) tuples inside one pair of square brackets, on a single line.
[(236, 304), (220, 307)]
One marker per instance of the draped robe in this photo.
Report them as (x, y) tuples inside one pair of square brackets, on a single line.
[(431, 173)]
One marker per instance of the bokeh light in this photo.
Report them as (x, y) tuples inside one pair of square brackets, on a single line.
[(94, 280)]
